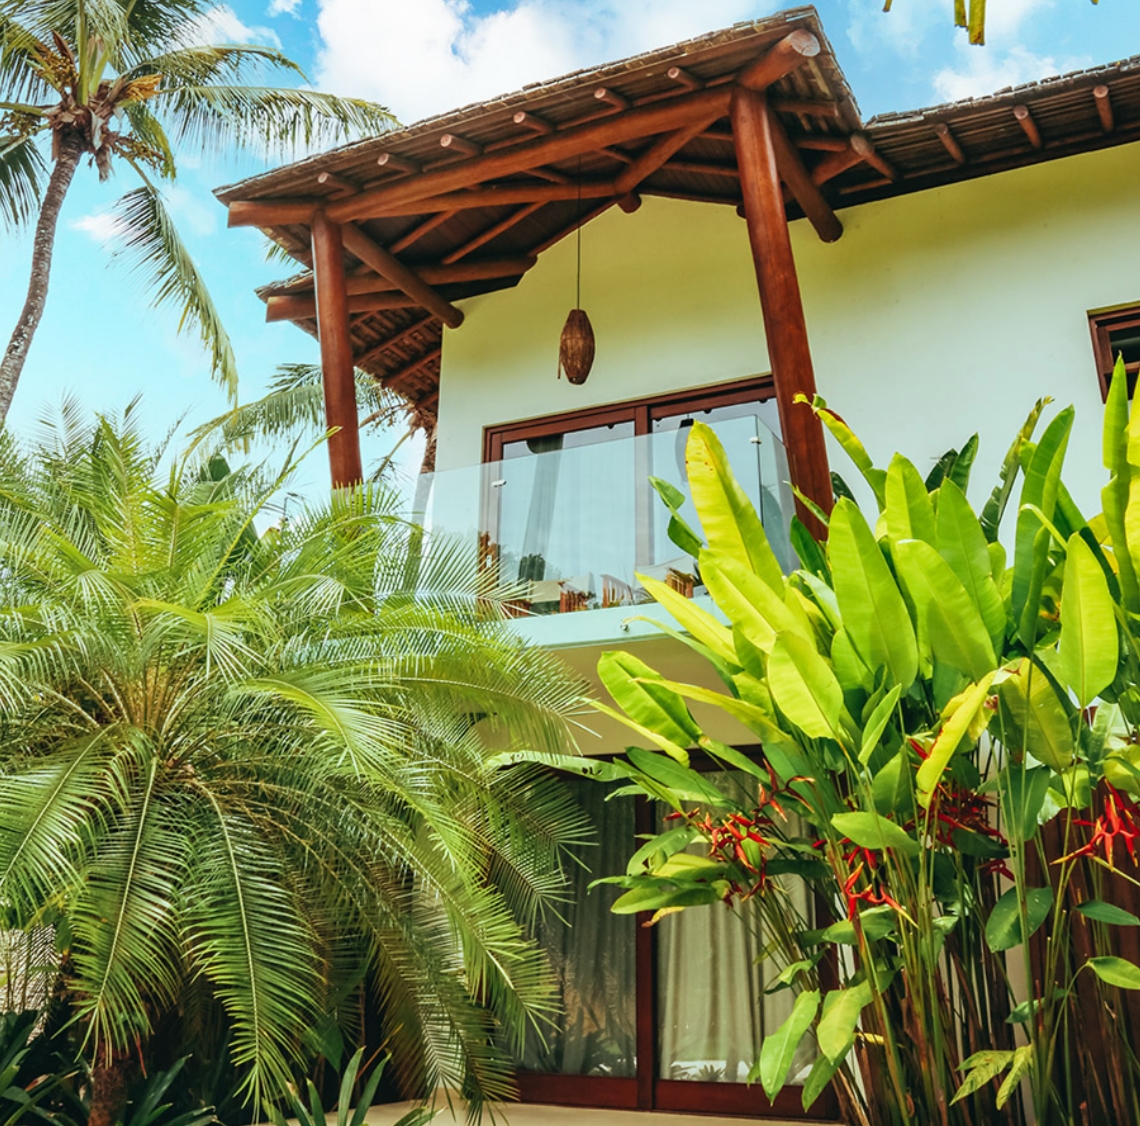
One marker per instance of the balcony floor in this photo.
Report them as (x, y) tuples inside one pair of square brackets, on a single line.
[(533, 1114)]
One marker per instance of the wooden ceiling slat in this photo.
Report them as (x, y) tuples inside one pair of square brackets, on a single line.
[(377, 350), (491, 232), (657, 154), (420, 229)]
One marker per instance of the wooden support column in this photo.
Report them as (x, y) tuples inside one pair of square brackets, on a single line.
[(780, 300), (337, 368)]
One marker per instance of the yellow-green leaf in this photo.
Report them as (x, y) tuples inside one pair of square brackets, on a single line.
[(1089, 649), (1035, 718), (954, 730), (804, 688)]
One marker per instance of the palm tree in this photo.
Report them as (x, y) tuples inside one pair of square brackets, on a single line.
[(131, 81), (251, 771)]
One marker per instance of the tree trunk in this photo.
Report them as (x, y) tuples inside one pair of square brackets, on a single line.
[(70, 150), (110, 1085)]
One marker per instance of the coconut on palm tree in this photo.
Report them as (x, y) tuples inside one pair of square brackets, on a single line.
[(131, 83), (265, 773)]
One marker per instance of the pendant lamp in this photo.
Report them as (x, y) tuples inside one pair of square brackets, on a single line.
[(576, 348)]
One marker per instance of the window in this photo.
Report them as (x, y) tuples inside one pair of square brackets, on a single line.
[(570, 513), (666, 1018), (1116, 333)]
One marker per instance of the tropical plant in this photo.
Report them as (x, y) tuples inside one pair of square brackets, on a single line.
[(926, 712), (267, 775), (313, 1113), (134, 81)]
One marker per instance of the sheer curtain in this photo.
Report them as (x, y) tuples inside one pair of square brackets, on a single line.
[(592, 953)]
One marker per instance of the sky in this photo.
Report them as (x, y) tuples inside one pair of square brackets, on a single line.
[(100, 340)]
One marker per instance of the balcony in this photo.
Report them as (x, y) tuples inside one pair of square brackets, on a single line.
[(564, 524)]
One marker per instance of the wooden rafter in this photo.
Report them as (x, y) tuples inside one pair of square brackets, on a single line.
[(836, 163), (569, 229), (371, 282), (300, 308), (1103, 100), (420, 229), (389, 266), (1024, 118), (492, 232), (658, 153), (789, 53), (802, 107), (950, 142), (411, 368), (801, 185), (377, 350)]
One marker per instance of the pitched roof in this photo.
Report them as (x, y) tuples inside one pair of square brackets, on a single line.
[(509, 177)]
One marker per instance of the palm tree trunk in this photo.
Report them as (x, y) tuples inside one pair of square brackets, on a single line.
[(70, 150), (110, 1085)]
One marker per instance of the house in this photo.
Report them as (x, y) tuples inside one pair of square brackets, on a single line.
[(931, 273)]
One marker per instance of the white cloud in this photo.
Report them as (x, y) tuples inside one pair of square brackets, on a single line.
[(221, 24), (987, 70), (283, 7), (101, 226), (426, 56)]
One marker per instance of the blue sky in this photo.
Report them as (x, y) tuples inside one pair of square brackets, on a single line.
[(99, 339)]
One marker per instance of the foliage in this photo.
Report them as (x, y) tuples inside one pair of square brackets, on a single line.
[(135, 82), (931, 766), (255, 777), (313, 1114)]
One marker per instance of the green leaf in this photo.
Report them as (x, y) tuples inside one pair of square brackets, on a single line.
[(909, 513), (877, 723), (958, 636), (820, 1075), (1115, 971), (841, 1011), (876, 923), (999, 498), (1022, 793), (869, 830), (637, 690), (700, 623), (891, 788), (666, 894), (1109, 913), (1003, 927), (679, 531), (982, 1067), (748, 602), (729, 521), (804, 688), (779, 1049), (1022, 1063), (682, 781), (852, 446), (1035, 718), (1089, 649), (956, 728), (874, 613), (962, 543)]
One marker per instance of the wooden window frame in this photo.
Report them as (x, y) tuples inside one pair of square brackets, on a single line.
[(644, 1090), (642, 412), (1100, 326)]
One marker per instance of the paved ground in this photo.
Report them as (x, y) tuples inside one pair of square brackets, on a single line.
[(517, 1114)]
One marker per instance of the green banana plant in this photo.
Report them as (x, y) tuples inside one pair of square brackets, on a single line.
[(925, 708)]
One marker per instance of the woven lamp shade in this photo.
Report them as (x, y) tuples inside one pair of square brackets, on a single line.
[(576, 349)]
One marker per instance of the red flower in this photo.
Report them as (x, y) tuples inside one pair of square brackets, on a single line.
[(1119, 819)]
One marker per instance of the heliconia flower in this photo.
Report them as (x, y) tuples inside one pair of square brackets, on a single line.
[(1119, 819)]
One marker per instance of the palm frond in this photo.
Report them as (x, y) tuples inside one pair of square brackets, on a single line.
[(147, 131), (197, 64), (273, 122), (22, 175), (156, 250)]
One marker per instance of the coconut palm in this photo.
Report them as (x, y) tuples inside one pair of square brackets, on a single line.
[(251, 771), (133, 81)]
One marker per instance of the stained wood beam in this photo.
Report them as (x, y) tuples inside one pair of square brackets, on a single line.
[(492, 232), (1028, 125), (270, 212), (616, 154), (505, 195), (704, 168), (803, 107), (1103, 99), (835, 164), (629, 203), (389, 266), (863, 145), (806, 191), (822, 144), (338, 371), (411, 368), (784, 324), (950, 142), (612, 98), (299, 308), (397, 163), (532, 122), (789, 53), (420, 229), (657, 154), (459, 146), (682, 77), (570, 228), (337, 183), (371, 282), (375, 351), (563, 145)]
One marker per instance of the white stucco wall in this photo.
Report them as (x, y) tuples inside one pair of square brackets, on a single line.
[(935, 315)]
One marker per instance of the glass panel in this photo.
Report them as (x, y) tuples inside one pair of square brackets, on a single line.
[(713, 1014), (592, 952), (1126, 340)]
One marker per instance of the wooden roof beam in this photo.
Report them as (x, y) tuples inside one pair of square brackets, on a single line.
[(806, 192), (658, 153), (562, 145), (805, 108), (411, 368), (1103, 99), (397, 163), (504, 195), (420, 229), (533, 122), (270, 212), (704, 168), (682, 77), (1028, 125), (863, 145), (835, 164), (338, 184), (789, 53), (581, 221), (375, 351), (950, 142), (612, 98), (492, 232), (299, 308), (459, 146), (821, 144), (449, 274), (389, 266)]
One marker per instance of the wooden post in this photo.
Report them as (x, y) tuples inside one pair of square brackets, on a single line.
[(337, 366), (780, 300)]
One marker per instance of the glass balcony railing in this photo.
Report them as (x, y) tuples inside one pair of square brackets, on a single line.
[(569, 529)]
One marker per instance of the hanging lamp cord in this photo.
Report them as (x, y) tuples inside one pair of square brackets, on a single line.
[(578, 289)]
